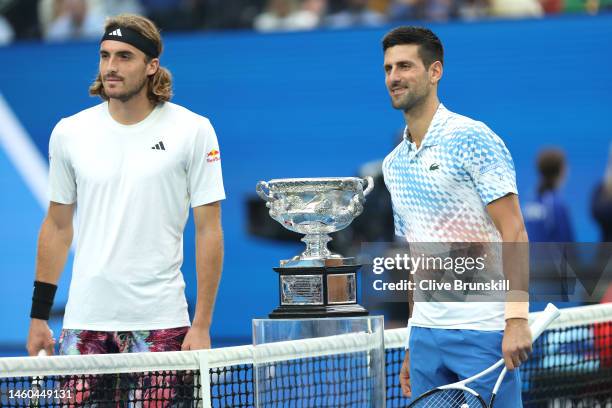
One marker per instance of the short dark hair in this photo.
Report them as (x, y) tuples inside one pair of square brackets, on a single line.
[(430, 46)]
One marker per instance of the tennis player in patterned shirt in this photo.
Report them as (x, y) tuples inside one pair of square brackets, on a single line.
[(451, 179)]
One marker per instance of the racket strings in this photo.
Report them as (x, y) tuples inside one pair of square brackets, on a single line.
[(449, 399)]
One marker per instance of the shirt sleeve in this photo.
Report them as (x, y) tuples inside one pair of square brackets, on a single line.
[(490, 165), (62, 180), (204, 168)]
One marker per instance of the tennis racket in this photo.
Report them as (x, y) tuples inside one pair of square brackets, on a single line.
[(460, 395)]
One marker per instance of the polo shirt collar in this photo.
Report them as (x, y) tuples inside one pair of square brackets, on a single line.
[(433, 135)]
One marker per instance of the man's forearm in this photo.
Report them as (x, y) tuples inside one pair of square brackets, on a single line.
[(209, 262), (516, 271), (517, 234), (506, 215), (516, 259), (53, 247)]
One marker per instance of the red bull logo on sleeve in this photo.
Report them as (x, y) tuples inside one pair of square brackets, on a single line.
[(213, 156)]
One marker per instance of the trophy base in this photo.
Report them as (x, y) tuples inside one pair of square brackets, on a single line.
[(315, 292), (306, 312)]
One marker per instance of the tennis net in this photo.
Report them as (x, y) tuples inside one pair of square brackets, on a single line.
[(571, 366)]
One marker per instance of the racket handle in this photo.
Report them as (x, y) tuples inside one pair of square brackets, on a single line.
[(543, 320)]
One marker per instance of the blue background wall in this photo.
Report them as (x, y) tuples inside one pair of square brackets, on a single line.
[(314, 104)]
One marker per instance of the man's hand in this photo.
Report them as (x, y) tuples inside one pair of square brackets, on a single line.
[(197, 338), (39, 338), (516, 344), (405, 375)]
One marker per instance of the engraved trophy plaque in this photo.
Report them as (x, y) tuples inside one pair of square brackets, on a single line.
[(317, 282)]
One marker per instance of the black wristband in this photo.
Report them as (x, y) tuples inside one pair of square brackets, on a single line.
[(42, 300)]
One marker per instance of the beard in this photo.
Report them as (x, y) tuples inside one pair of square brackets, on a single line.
[(410, 100), (130, 93), (415, 95)]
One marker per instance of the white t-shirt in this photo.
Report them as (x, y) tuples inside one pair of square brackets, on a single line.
[(133, 185), (440, 192)]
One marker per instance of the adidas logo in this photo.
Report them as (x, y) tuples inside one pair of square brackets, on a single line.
[(159, 146), (117, 32)]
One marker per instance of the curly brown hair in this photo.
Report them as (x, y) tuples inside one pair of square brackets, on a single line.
[(159, 88)]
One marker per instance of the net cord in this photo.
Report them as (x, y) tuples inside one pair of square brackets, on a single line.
[(98, 364), (186, 360)]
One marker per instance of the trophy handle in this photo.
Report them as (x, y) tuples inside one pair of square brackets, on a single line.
[(266, 196), (369, 182), (355, 207)]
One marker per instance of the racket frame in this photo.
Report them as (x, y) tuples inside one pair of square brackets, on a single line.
[(537, 328)]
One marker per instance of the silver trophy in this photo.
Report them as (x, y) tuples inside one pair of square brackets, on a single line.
[(317, 282), (315, 207)]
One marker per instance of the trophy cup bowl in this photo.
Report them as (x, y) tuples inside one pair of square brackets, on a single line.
[(315, 207)]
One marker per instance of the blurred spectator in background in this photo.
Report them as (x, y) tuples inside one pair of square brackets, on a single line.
[(165, 13), (552, 6), (21, 16), (473, 9), (356, 13), (177, 15), (7, 34), (318, 8), (287, 15), (375, 224), (192, 15), (57, 20), (547, 217), (224, 14), (63, 20), (431, 10), (404, 10), (516, 8), (116, 7), (601, 204), (590, 6)]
